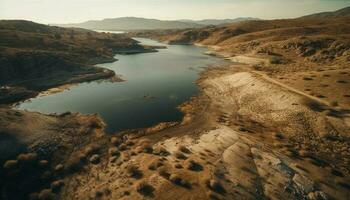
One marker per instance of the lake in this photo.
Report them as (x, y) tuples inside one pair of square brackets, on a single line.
[(155, 84)]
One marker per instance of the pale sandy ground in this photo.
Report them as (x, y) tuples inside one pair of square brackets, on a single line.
[(245, 137)]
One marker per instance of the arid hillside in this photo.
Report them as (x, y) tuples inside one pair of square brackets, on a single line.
[(34, 57), (312, 55)]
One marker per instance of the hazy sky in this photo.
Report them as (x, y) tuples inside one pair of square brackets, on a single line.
[(64, 11)]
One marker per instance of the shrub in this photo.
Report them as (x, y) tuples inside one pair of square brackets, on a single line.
[(144, 188), (76, 161), (116, 141), (92, 149), (184, 149), (163, 171), (176, 179), (193, 165), (276, 60), (114, 151), (95, 159), (180, 155), (161, 151), (134, 172), (154, 165), (46, 194), (215, 186), (122, 147)]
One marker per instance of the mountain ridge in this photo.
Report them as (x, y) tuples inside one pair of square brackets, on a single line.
[(138, 23), (343, 12)]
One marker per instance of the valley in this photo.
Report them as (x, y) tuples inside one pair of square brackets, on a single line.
[(265, 111)]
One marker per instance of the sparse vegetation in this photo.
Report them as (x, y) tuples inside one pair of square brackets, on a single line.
[(144, 188), (193, 165), (134, 172), (95, 159), (180, 155)]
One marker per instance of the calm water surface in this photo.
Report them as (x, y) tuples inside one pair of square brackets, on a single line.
[(156, 83)]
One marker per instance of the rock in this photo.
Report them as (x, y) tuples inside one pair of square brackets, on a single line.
[(59, 167), (57, 185), (43, 163), (318, 195), (27, 158), (10, 164), (303, 183)]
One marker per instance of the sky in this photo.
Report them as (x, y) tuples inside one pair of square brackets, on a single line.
[(74, 11)]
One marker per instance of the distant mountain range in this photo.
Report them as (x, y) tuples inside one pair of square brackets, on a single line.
[(134, 23), (219, 21), (344, 12)]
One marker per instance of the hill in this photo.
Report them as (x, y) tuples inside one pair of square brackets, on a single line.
[(216, 22), (344, 12), (35, 57), (132, 23)]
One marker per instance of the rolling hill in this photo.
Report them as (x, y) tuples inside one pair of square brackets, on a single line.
[(132, 23), (344, 12), (216, 22)]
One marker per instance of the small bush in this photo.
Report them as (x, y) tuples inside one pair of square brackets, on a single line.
[(276, 60), (116, 141), (163, 171), (184, 149), (180, 155), (95, 159), (215, 186), (154, 165), (46, 194), (334, 103), (176, 179), (122, 147), (144, 188), (92, 149), (193, 165), (114, 151), (134, 172), (161, 151)]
